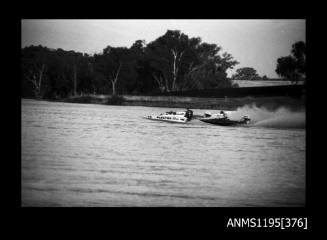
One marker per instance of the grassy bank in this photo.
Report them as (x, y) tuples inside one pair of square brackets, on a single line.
[(226, 103)]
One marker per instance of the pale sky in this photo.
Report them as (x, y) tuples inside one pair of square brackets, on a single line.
[(254, 43)]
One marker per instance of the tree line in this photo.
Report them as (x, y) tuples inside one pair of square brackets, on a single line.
[(172, 62)]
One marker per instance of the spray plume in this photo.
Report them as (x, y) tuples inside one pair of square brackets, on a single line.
[(279, 118)]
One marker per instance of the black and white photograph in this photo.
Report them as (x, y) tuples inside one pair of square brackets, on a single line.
[(163, 113)]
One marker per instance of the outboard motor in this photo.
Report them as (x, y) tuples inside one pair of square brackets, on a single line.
[(246, 119)]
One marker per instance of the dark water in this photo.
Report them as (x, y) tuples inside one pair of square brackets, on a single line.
[(96, 155)]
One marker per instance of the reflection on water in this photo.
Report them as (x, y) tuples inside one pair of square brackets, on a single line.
[(96, 155)]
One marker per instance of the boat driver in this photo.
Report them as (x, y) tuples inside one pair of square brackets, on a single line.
[(223, 114), (188, 114)]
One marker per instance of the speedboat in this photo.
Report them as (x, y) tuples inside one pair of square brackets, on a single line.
[(223, 120), (177, 117)]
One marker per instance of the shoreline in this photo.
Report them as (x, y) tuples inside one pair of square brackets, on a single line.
[(227, 103)]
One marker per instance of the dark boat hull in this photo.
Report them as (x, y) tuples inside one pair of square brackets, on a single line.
[(222, 122)]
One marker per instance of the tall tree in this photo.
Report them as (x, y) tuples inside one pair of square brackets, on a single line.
[(73, 60), (111, 64), (165, 55), (293, 67), (207, 68), (34, 65), (246, 73), (183, 63)]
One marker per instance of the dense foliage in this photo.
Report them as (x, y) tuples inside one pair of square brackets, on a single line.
[(248, 73), (293, 67), (172, 62)]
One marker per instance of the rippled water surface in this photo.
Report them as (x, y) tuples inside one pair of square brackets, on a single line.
[(97, 155)]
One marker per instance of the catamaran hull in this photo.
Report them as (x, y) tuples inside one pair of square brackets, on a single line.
[(223, 122), (172, 119)]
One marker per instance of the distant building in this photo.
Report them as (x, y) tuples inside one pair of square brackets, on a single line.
[(264, 83)]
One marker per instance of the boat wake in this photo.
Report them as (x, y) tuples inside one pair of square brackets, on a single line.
[(280, 118)]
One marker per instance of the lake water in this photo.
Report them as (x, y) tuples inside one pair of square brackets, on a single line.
[(98, 155)]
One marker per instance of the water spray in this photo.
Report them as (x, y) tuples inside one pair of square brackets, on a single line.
[(279, 118)]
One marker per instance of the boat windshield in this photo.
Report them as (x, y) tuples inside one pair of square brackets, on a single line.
[(171, 113)]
